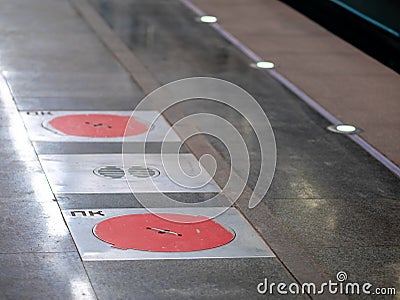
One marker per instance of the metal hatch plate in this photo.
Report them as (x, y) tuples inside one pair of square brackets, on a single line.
[(104, 174), (53, 126), (81, 222)]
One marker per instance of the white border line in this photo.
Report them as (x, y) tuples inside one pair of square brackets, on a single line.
[(294, 89)]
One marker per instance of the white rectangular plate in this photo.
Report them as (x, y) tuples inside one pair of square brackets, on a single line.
[(76, 174)]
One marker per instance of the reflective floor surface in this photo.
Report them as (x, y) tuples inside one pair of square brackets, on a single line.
[(331, 206)]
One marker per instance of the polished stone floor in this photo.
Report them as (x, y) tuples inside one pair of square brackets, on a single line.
[(331, 206)]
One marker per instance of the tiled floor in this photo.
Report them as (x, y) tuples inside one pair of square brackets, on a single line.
[(331, 207), (341, 78)]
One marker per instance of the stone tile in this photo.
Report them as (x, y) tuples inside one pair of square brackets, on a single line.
[(377, 265), (22, 178), (275, 43), (342, 79), (56, 52), (27, 84), (339, 223), (89, 201), (18, 17), (195, 279), (275, 16), (322, 167), (92, 103), (96, 148), (30, 226), (44, 276), (15, 149)]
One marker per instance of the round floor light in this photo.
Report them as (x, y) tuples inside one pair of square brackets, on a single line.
[(208, 19), (344, 129), (263, 65)]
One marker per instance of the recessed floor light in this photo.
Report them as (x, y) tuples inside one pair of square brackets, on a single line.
[(263, 65), (344, 129), (208, 19)]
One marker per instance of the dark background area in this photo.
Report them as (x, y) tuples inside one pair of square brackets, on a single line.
[(381, 42)]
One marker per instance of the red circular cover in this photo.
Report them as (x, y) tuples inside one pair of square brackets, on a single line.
[(98, 125), (156, 233)]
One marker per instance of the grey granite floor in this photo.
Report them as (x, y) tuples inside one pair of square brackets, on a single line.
[(331, 206)]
